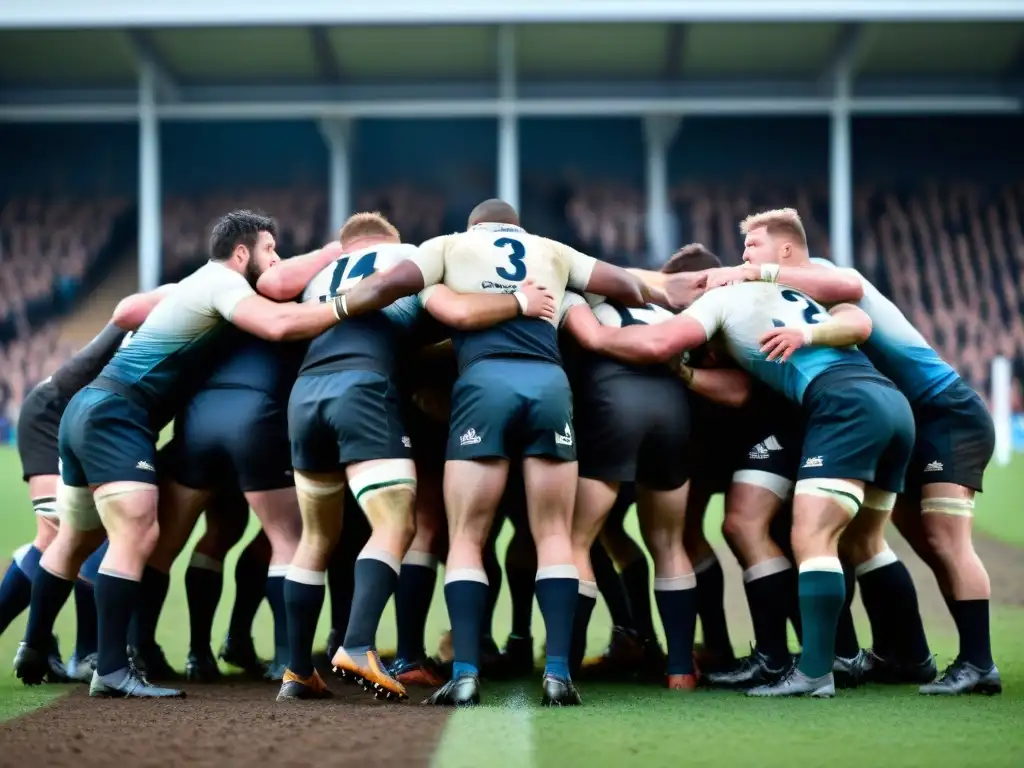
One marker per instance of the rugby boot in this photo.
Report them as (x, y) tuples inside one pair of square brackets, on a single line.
[(796, 683), (462, 691), (962, 677), (34, 667), (491, 666), (750, 672), (129, 683), (559, 692), (151, 663), (295, 688), (81, 669), (422, 672), (872, 668), (848, 672), (708, 660), (681, 682), (201, 666), (367, 670), (239, 652), (517, 657), (58, 673), (622, 660)]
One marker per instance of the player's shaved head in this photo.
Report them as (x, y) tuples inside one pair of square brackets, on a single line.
[(494, 211), (691, 258), (368, 224)]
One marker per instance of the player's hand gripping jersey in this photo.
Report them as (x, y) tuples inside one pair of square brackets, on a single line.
[(496, 258), (745, 311), (367, 342)]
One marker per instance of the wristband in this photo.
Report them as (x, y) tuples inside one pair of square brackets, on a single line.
[(523, 302), (808, 332), (769, 273), (340, 307)]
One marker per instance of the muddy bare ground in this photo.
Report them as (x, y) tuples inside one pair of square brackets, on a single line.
[(226, 724)]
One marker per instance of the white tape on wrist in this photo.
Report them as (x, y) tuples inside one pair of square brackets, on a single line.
[(808, 334), (769, 273), (523, 301), (340, 306)]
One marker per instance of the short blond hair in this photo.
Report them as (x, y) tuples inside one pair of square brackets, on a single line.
[(785, 221), (367, 224)]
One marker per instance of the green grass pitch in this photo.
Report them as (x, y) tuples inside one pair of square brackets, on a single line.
[(632, 725)]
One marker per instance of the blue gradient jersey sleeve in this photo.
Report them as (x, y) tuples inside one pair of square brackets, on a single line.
[(898, 349), (152, 359), (742, 313)]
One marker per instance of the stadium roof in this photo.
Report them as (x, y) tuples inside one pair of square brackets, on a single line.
[(316, 64)]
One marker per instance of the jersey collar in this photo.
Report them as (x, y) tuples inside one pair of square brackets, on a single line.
[(492, 226)]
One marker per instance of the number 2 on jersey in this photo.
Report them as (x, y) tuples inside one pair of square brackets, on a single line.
[(518, 271), (363, 267), (812, 310)]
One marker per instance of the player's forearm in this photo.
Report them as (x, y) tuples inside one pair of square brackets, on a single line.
[(302, 321), (638, 344), (384, 288), (726, 386), (651, 279), (287, 279), (842, 330), (827, 286), (473, 311)]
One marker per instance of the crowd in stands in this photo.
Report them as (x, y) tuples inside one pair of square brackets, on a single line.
[(951, 256)]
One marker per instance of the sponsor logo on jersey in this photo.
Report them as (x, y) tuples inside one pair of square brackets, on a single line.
[(469, 437), (564, 439), (146, 466), (934, 466), (490, 285), (814, 461)]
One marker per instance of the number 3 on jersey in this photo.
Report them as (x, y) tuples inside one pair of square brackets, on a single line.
[(813, 313), (518, 271)]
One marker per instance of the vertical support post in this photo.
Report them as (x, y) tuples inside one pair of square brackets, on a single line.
[(150, 245), (659, 131), (508, 118), (337, 136)]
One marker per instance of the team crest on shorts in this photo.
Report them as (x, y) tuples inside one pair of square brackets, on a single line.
[(469, 437)]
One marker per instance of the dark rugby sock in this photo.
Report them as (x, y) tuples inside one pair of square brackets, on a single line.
[(376, 575), (822, 592), (636, 578), (610, 585), (341, 580), (279, 610), (711, 607), (85, 619), (766, 586), (585, 602), (49, 593), (15, 589), (153, 592), (493, 570), (116, 600), (847, 643), (416, 582), (522, 572), (303, 599), (465, 592), (204, 583), (557, 589), (890, 600), (677, 605), (250, 589), (972, 623), (91, 567)]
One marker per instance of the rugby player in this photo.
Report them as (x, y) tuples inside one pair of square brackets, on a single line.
[(859, 432), (38, 428), (108, 442), (232, 432), (345, 427), (512, 398), (954, 443)]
